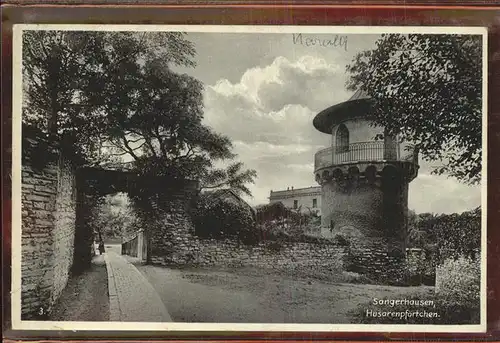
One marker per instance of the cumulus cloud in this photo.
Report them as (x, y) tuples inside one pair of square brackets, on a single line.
[(276, 103), (309, 81), (244, 121)]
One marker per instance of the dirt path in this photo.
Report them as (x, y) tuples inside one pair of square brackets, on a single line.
[(257, 296), (85, 298)]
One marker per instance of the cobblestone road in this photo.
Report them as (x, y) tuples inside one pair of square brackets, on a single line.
[(131, 297)]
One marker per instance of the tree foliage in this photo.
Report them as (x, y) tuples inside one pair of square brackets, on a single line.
[(459, 234), (450, 235), (421, 230), (115, 217), (233, 177), (216, 216), (75, 81), (114, 95), (276, 221), (428, 90), (56, 70)]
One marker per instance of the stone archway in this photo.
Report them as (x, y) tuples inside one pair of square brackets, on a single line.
[(91, 184), (164, 196)]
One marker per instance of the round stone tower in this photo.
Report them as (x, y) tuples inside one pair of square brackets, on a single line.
[(364, 185)]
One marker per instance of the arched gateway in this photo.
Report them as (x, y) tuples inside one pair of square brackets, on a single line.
[(160, 193)]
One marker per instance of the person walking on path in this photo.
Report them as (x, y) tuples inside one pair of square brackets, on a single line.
[(101, 248)]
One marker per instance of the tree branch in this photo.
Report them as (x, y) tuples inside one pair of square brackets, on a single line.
[(129, 149)]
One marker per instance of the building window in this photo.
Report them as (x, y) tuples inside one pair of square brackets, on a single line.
[(342, 139), (295, 203), (315, 203)]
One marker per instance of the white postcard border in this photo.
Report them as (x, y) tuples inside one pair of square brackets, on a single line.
[(18, 324)]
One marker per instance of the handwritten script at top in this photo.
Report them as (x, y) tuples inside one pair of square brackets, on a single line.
[(335, 41)]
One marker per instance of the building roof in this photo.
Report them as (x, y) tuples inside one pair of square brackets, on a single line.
[(287, 193), (221, 193), (358, 105)]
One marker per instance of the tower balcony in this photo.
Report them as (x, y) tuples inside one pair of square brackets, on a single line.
[(365, 153)]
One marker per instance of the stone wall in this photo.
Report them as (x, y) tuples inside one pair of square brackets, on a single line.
[(48, 228), (172, 242), (180, 248), (374, 260), (273, 255), (135, 246), (64, 227), (130, 247)]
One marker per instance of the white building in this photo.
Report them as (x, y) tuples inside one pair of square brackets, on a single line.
[(307, 199)]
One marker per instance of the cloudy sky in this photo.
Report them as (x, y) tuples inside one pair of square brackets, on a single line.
[(263, 91)]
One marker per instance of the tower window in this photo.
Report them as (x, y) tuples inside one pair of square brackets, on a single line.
[(315, 203), (295, 203), (342, 139)]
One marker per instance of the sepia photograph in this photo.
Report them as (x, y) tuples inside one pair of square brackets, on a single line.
[(249, 178)]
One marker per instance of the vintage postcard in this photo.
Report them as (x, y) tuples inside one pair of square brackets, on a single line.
[(249, 178)]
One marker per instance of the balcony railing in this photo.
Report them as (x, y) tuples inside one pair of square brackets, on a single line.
[(364, 151)]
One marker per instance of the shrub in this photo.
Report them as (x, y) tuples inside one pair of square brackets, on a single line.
[(277, 214), (459, 280), (442, 237), (421, 268), (458, 235), (271, 232), (219, 218), (447, 235), (458, 288)]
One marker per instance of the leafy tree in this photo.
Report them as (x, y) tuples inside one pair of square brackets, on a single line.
[(415, 235), (161, 128), (427, 89), (233, 177), (71, 79), (56, 68), (114, 94)]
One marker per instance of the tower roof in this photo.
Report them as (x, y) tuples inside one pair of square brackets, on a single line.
[(358, 105)]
